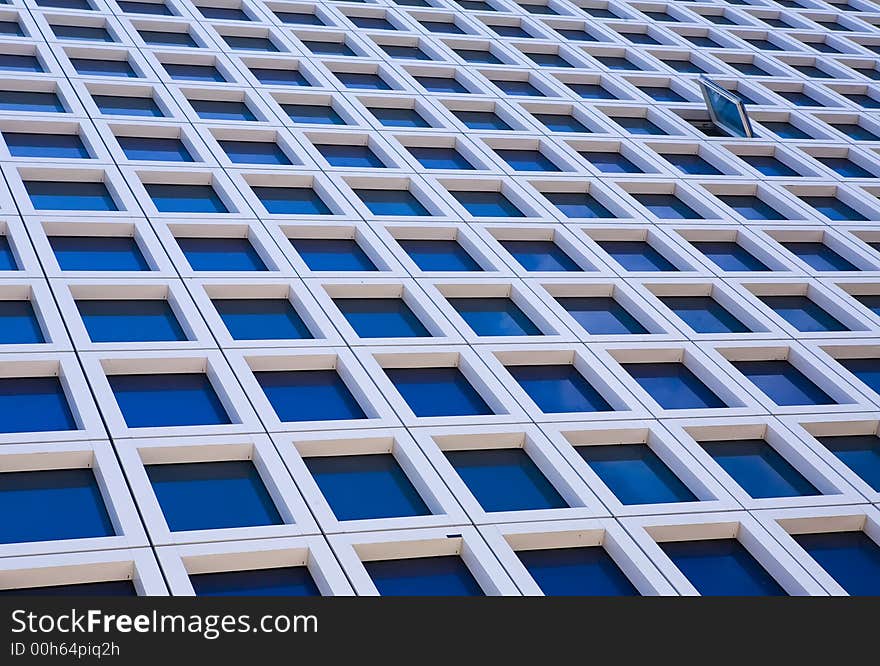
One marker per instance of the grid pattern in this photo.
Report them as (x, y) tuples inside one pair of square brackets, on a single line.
[(455, 279)]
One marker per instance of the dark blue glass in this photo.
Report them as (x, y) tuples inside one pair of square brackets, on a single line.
[(704, 314), (803, 313), (866, 369), (662, 94), (536, 255), (439, 576), (309, 395), (92, 67), (855, 131), (667, 206), (870, 301), (558, 122), (185, 198), (154, 148), (163, 400), (215, 109), (526, 160), (819, 256), (34, 404), (601, 315), (7, 257), (610, 162), (721, 567), (381, 318), (224, 13), (316, 114), (514, 87), (751, 69), (558, 388), (115, 588), (505, 480), (405, 52), (585, 571), (12, 62), (637, 256), (254, 152), (834, 209), (576, 35), (850, 558), (362, 81), (372, 22), (494, 316), (397, 117), (481, 56), (69, 195), (549, 60), (84, 32), (392, 202), (640, 38), (66, 4), (440, 158), (798, 98), (446, 27), (280, 77), (365, 487), (127, 106), (332, 254), (439, 255), (212, 495), (328, 48), (281, 582), (769, 165), (161, 38), (638, 125), (691, 164), (486, 204), (729, 256), (437, 392), (591, 90), (673, 386), (63, 146), (861, 453), (26, 101), (220, 254), (299, 18), (785, 130), (441, 84), (46, 505), (846, 168), (578, 204), (685, 66), (261, 319), (98, 253), (617, 62), (511, 31), (242, 43), (783, 383), (481, 120), (759, 468), (751, 207), (136, 7), (349, 155), (865, 101), (291, 201), (190, 72), (142, 320), (635, 474)]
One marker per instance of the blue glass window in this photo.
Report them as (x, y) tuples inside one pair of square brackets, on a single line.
[(63, 146), (601, 315), (861, 453), (447, 27), (154, 148), (69, 195), (398, 117), (299, 18), (280, 77), (224, 13), (392, 202), (730, 256), (115, 588), (12, 62), (372, 22), (617, 62), (673, 386), (866, 369), (26, 101), (190, 72), (214, 109), (587, 571), (127, 106), (405, 52), (558, 388), (332, 254), (328, 48), (783, 383), (559, 122), (721, 567), (635, 474), (803, 313), (7, 257), (769, 165), (494, 316), (98, 253), (481, 56), (549, 60), (381, 318), (486, 204), (591, 90), (785, 130), (349, 155), (439, 255), (685, 66), (505, 480), (46, 505), (280, 582), (84, 32), (309, 395), (362, 81), (667, 206), (142, 320), (261, 319), (316, 114), (212, 495), (573, 35), (759, 468), (870, 301), (704, 314), (819, 256), (798, 98), (34, 404), (511, 31), (254, 152), (93, 67), (481, 120), (137, 7), (535, 255), (610, 162), (751, 207), (850, 558), (243, 43), (291, 201), (440, 576), (185, 198), (636, 256), (578, 204), (176, 399), (363, 487), (162, 38), (67, 4), (437, 392), (220, 254), (845, 167), (515, 87), (526, 160), (691, 164), (834, 209), (441, 84), (855, 131), (638, 125), (440, 158)]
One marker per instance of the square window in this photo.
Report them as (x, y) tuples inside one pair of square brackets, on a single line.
[(220, 254), (834, 209), (142, 320), (116, 105), (332, 254), (349, 155), (112, 588), (558, 389), (191, 72), (526, 160), (578, 204), (861, 453), (667, 206), (494, 316), (34, 404), (441, 84), (582, 571), (481, 120), (212, 495), (439, 255), (366, 487), (280, 582), (818, 256), (480, 56), (224, 13), (280, 77), (45, 505), (636, 256), (803, 313), (536, 255), (362, 81), (691, 164), (398, 117), (261, 319), (291, 201), (769, 165), (852, 559), (730, 256), (391, 202), (486, 204), (185, 198), (316, 114), (92, 67), (162, 38), (167, 400), (638, 125), (26, 101), (445, 27), (70, 195), (516, 87), (591, 90), (866, 369), (12, 62), (704, 314), (721, 567), (84, 32), (214, 109), (381, 318), (62, 146), (438, 392), (783, 383), (759, 468), (98, 253), (254, 152), (559, 122), (309, 395), (136, 7), (845, 167), (299, 18), (445, 575), (601, 315), (751, 207), (154, 149), (328, 48), (440, 158), (405, 52), (610, 162), (243, 43), (673, 386)]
